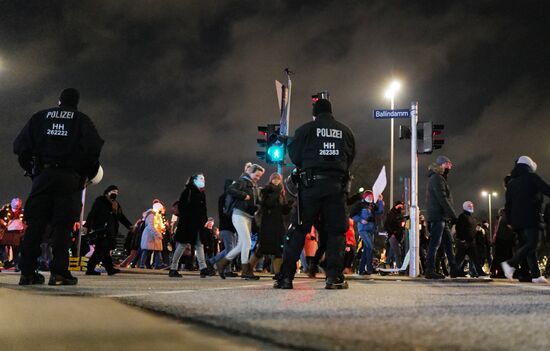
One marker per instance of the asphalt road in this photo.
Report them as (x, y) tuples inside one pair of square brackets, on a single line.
[(380, 314)]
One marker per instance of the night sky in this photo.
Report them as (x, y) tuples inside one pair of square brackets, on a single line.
[(177, 87)]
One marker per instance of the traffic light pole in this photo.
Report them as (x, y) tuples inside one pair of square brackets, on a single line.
[(414, 236)]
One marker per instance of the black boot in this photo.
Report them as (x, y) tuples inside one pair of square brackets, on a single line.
[(336, 283), (113, 271), (62, 279), (174, 274), (221, 265), (283, 283), (247, 272), (35, 278), (92, 272), (434, 275)]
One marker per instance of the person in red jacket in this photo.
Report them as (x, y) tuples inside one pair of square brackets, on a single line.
[(351, 245)]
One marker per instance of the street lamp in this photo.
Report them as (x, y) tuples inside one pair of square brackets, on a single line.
[(490, 195), (390, 94)]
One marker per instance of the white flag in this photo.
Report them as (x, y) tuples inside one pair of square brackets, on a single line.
[(380, 184)]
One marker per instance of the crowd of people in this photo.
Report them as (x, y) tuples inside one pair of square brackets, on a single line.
[(192, 241), (309, 221)]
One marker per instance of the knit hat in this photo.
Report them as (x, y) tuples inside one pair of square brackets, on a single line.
[(110, 188), (69, 97), (322, 106), (526, 160), (442, 159)]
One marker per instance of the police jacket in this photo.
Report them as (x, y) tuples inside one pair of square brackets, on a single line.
[(60, 135), (466, 227), (524, 197), (439, 201), (239, 189), (324, 145)]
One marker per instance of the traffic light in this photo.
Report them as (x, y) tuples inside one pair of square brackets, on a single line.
[(429, 137), (262, 142), (271, 144), (275, 149), (437, 139)]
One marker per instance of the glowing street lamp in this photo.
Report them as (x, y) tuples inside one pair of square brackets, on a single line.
[(490, 195), (390, 94)]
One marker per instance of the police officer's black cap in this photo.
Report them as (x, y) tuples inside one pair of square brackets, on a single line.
[(322, 106), (69, 97), (110, 188)]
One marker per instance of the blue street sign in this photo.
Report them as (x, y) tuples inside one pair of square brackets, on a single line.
[(400, 113)]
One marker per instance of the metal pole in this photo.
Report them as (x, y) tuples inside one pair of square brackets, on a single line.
[(414, 236), (79, 242), (391, 154), (490, 220)]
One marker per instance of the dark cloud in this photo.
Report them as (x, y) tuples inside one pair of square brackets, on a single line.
[(178, 87)]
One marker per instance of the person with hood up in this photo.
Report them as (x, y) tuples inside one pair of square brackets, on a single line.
[(193, 219), (465, 238), (439, 214), (524, 198), (102, 222)]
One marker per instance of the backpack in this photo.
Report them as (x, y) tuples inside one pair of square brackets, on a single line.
[(229, 204)]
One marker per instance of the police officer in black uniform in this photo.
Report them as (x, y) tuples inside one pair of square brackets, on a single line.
[(323, 151), (59, 148)]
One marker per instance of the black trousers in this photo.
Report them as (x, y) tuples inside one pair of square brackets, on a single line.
[(55, 199), (469, 248), (102, 253), (325, 199)]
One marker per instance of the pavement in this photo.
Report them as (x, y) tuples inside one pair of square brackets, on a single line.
[(383, 313)]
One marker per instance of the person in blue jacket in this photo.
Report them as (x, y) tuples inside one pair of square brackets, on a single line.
[(366, 226)]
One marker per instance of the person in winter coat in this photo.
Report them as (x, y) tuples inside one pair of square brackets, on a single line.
[(439, 213), (351, 246), (245, 204), (102, 223), (483, 247), (366, 226), (465, 238), (134, 242), (151, 238), (524, 198), (504, 240), (227, 231), (395, 225), (274, 207), (193, 219)]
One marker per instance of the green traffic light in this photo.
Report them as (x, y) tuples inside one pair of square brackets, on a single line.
[(276, 153)]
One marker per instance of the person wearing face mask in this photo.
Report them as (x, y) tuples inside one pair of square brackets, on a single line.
[(439, 214), (524, 197), (192, 219), (274, 206), (366, 226), (102, 223), (465, 238), (246, 197)]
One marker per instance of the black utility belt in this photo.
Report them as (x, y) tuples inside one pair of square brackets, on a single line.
[(308, 177), (54, 165)]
